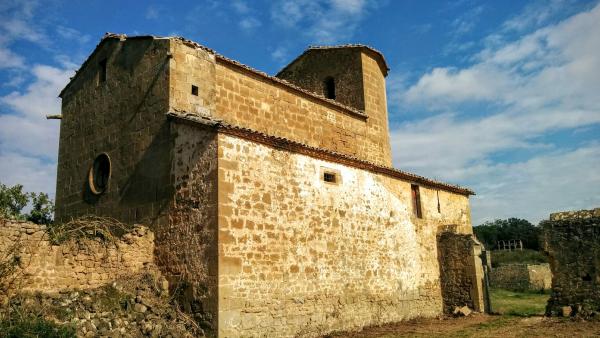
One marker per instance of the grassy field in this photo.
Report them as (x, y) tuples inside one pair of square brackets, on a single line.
[(522, 304)]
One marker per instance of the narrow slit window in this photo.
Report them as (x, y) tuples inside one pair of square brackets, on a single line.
[(329, 86), (416, 199), (438, 201), (194, 90), (102, 71), (330, 177)]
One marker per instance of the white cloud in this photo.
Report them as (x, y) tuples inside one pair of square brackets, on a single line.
[(567, 180), (35, 174), (29, 142), (467, 21), (152, 13), (542, 82), (249, 23), (9, 59), (324, 21), (280, 54), (535, 14)]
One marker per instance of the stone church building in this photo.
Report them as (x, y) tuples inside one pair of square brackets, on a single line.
[(273, 198)]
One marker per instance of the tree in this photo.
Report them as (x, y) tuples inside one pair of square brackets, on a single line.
[(490, 233), (42, 209), (12, 201)]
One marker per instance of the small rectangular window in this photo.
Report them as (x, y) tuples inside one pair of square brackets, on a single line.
[(194, 90), (416, 199), (329, 177), (102, 71)]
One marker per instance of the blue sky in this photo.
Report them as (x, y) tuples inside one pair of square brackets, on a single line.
[(500, 96)]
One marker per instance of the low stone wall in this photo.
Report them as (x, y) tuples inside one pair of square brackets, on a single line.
[(521, 277), (572, 242), (82, 264)]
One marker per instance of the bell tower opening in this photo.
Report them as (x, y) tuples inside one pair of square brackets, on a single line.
[(329, 87)]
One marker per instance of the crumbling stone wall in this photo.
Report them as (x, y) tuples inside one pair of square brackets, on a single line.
[(522, 277), (86, 264), (300, 256), (572, 242), (187, 249), (461, 271)]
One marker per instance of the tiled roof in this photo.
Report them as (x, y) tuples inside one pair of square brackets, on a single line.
[(324, 154), (332, 103), (380, 58)]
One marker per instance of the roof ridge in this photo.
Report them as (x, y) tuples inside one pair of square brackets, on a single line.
[(191, 43), (385, 67)]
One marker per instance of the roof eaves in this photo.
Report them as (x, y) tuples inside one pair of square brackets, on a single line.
[(288, 144)]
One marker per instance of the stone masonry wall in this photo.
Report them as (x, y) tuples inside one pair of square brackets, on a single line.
[(302, 257), (187, 248), (50, 268), (572, 242), (343, 65), (242, 98), (125, 118), (461, 271), (521, 277)]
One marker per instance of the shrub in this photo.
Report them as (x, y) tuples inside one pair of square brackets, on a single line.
[(511, 257), (31, 326)]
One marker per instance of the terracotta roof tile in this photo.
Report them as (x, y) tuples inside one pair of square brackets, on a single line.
[(325, 154)]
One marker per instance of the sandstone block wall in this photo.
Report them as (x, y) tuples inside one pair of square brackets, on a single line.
[(572, 242), (50, 268), (236, 95), (522, 277), (300, 256), (123, 117), (461, 271)]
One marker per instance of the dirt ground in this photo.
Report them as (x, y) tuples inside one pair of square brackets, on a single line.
[(478, 325)]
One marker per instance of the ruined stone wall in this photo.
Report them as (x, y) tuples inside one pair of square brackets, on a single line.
[(300, 256), (240, 97), (123, 117), (521, 277), (86, 264), (461, 271), (572, 242)]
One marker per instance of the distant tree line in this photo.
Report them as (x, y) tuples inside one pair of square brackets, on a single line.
[(13, 200), (489, 233)]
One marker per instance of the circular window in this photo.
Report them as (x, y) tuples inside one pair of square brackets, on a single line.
[(99, 174)]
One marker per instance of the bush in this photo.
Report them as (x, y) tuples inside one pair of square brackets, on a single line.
[(523, 257), (34, 327)]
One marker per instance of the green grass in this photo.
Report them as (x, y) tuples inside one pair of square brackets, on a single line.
[(522, 304), (510, 257)]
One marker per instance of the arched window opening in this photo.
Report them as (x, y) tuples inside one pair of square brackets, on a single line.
[(99, 174), (329, 85)]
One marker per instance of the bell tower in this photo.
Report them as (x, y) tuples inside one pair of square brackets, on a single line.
[(353, 75)]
